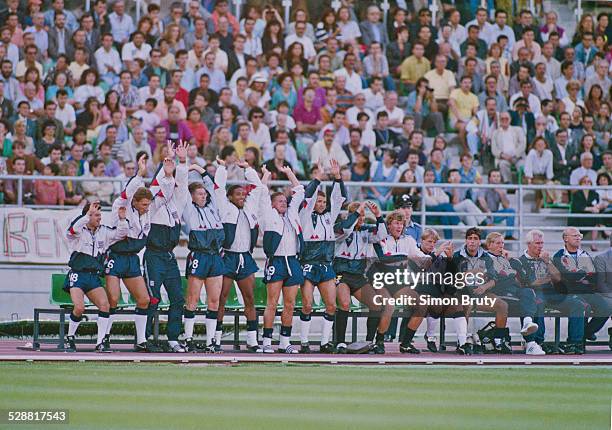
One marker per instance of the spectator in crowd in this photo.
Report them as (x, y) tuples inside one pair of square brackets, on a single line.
[(383, 171), (495, 204), (436, 200), (98, 190), (586, 202), (508, 147), (585, 169), (48, 191), (539, 168)]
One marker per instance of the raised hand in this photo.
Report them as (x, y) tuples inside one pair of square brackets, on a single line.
[(197, 168), (266, 175), (169, 166), (320, 172), (242, 164), (373, 207), (335, 168), (171, 152), (181, 150), (361, 209), (142, 165), (94, 209), (220, 162)]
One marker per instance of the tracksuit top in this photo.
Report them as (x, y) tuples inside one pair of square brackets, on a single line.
[(239, 224), (88, 248), (353, 244), (399, 253), (319, 235), (204, 224), (532, 270), (578, 273), (277, 227), (139, 225), (165, 223), (481, 262)]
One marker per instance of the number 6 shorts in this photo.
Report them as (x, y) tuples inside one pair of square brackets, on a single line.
[(286, 269), (122, 265)]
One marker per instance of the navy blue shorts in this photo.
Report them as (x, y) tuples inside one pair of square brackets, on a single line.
[(354, 281), (122, 265), (86, 281), (239, 265), (288, 270), (318, 272), (204, 265)]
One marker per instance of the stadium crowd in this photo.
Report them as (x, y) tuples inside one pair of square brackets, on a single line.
[(507, 97)]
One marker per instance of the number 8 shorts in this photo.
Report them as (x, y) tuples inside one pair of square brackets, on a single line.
[(204, 265), (86, 281), (286, 269)]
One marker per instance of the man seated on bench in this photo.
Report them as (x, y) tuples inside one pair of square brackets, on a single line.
[(578, 278), (538, 272)]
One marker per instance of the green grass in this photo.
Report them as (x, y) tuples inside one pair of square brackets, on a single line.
[(244, 397)]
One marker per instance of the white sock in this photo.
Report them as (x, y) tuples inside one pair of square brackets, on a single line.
[(527, 320), (141, 328), (218, 334), (251, 337), (102, 324), (109, 326), (188, 327), (460, 329), (284, 342), (211, 327), (327, 331), (72, 327), (172, 343), (267, 341), (432, 326), (304, 330)]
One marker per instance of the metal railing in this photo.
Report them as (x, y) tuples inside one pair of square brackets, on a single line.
[(520, 190)]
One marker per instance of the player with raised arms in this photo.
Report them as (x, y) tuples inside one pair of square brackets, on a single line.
[(89, 240), (318, 216), (353, 243), (205, 266), (239, 209), (122, 261), (161, 267), (282, 243)]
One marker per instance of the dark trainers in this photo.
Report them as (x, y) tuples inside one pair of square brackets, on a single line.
[(194, 346), (465, 349), (71, 347), (503, 347), (148, 346), (341, 348), (102, 348), (328, 348), (106, 341), (254, 349), (213, 348), (407, 347), (304, 348), (573, 348), (378, 348), (431, 344)]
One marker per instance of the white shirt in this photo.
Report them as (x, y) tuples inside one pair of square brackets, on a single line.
[(221, 60), (309, 51), (262, 138), (131, 52), (110, 58), (533, 100), (288, 243), (252, 47), (242, 239), (539, 165), (321, 154), (66, 115), (144, 93), (496, 31), (353, 81), (84, 92), (374, 101), (544, 89), (396, 114), (352, 112), (507, 137), (580, 172)]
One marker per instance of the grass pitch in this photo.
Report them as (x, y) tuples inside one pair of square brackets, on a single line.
[(244, 397)]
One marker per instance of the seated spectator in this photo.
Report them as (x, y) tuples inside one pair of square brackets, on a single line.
[(481, 127), (437, 166), (573, 98), (98, 190), (463, 105), (326, 149), (33, 163), (88, 87), (436, 200), (47, 140), (136, 144), (375, 65), (539, 169), (586, 202), (277, 162), (585, 169), (459, 198), (198, 129), (403, 195), (383, 171), (243, 142), (414, 67), (56, 156), (111, 166), (494, 201), (259, 133), (508, 147), (423, 107), (176, 127), (468, 172), (11, 191), (73, 190), (48, 191), (375, 95), (20, 136)]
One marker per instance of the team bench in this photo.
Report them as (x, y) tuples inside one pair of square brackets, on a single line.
[(234, 307)]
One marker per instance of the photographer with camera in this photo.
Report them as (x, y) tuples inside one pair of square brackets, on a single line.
[(423, 107)]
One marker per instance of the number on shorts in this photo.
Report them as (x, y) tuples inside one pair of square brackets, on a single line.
[(73, 277), (307, 268), (194, 265), (270, 272), (109, 265)]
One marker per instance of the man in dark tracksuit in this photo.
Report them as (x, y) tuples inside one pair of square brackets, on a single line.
[(160, 262)]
